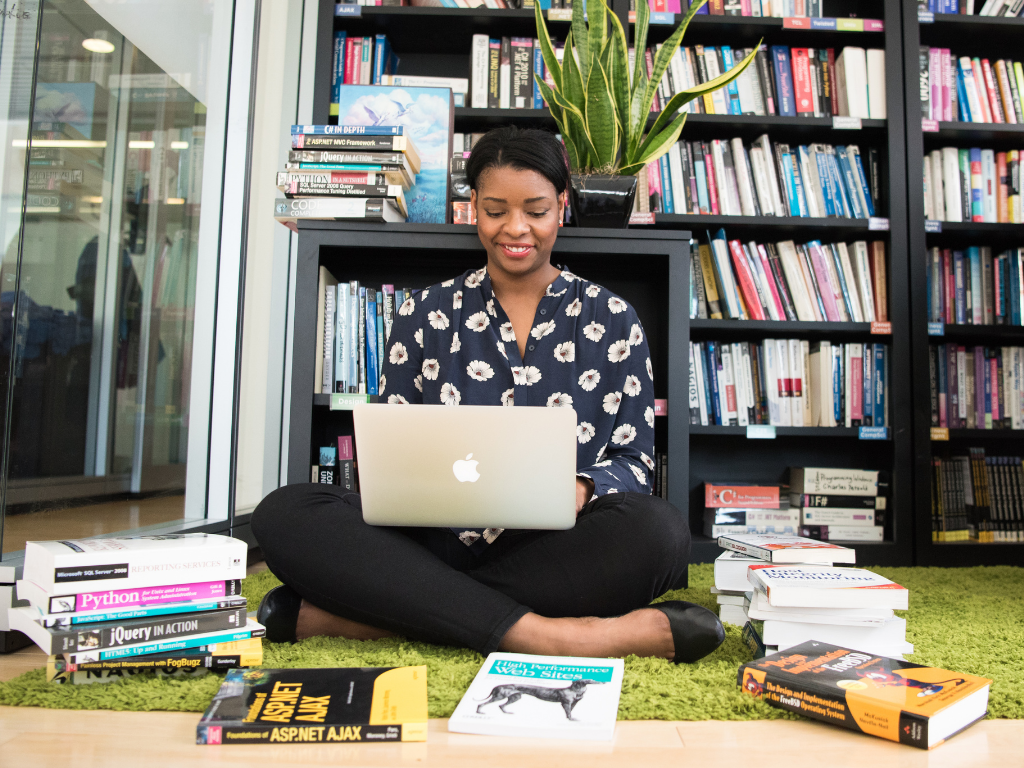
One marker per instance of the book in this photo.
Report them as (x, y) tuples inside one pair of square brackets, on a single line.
[(818, 480), (343, 704), (74, 566), (890, 698), (845, 533), (125, 599), (372, 209), (126, 614), (736, 495), (855, 617), (731, 571), (837, 516), (552, 697), (773, 548), (793, 586)]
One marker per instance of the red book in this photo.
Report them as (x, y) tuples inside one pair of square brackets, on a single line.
[(1003, 190), (947, 266), (802, 82), (716, 7), (658, 6), (709, 166), (993, 93), (762, 254), (746, 281), (749, 496), (995, 388), (349, 64)]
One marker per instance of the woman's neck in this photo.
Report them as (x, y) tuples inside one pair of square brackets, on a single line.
[(517, 288)]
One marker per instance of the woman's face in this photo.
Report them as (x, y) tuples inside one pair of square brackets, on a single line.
[(517, 214)]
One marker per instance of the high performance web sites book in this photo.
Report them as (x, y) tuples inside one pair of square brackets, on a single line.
[(551, 697), (84, 565), (275, 706), (777, 548), (889, 698)]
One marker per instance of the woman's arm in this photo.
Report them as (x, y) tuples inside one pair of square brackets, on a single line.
[(402, 380)]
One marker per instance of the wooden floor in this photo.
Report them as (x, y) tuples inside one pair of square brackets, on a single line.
[(44, 737)]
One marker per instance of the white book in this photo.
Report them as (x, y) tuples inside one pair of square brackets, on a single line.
[(480, 58), (698, 363), (676, 67), (330, 320), (845, 617), (852, 81), (938, 193), (792, 586), (764, 194), (714, 530), (748, 375), (733, 614), (740, 600), (876, 83), (718, 96), (812, 184), (837, 516), (675, 167), (731, 571), (84, 565), (548, 697), (796, 376), (771, 381), (768, 156), (928, 183), (743, 180), (726, 192), (848, 355), (748, 90), (727, 387), (341, 350), (693, 400), (891, 632), (951, 183), (504, 82), (821, 385), (739, 384), (799, 292), (785, 392), (765, 279), (988, 184), (457, 84), (324, 281), (828, 480), (719, 249), (861, 267), (851, 283), (862, 533), (774, 548), (805, 367)]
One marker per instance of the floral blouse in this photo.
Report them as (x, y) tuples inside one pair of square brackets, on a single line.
[(453, 344)]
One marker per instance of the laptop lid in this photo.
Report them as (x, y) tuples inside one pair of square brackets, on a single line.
[(475, 466)]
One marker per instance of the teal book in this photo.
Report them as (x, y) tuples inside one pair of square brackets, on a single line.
[(372, 370)]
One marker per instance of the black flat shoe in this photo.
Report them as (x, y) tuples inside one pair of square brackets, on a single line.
[(279, 613), (696, 631)]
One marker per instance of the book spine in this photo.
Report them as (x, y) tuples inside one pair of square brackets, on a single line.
[(253, 733), (127, 633), (136, 598), (129, 614)]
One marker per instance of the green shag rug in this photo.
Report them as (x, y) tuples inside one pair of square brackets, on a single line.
[(964, 619)]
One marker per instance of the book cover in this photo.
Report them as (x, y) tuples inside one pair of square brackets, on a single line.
[(793, 586), (123, 599), (170, 609), (81, 565), (783, 81), (736, 495), (425, 115), (854, 482), (346, 704), (774, 548), (542, 697), (889, 698)]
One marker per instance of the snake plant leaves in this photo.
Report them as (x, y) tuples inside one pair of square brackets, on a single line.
[(600, 112)]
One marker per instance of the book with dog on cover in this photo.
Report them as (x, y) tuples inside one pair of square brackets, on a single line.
[(333, 706), (550, 697), (889, 698)]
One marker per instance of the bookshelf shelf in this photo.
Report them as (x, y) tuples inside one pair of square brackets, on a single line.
[(981, 228), (856, 228), (1013, 334), (986, 434), (985, 132), (849, 432), (978, 24), (769, 328)]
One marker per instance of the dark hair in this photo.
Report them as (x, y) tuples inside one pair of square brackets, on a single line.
[(524, 149)]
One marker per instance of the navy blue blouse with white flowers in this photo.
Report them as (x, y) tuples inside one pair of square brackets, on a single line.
[(453, 344)]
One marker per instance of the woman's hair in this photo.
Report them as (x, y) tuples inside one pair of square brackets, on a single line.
[(524, 149)]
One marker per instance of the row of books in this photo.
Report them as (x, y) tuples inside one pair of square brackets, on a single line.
[(105, 609), (789, 383), (353, 323), (788, 281), (1008, 8), (502, 71), (755, 8), (969, 90), (976, 387), (973, 185), (971, 287), (978, 497), (789, 82), (726, 178), (360, 61)]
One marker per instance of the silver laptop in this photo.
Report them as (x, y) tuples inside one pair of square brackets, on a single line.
[(473, 465)]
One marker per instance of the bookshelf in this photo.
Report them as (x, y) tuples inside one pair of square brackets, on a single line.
[(991, 37)]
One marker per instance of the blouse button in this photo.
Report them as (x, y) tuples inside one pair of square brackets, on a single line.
[(530, 347), (543, 311)]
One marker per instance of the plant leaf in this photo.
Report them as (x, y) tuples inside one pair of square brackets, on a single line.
[(637, 119), (668, 50), (581, 36), (617, 71), (643, 18), (573, 126), (572, 89), (656, 145), (547, 50), (600, 114), (553, 108), (597, 21)]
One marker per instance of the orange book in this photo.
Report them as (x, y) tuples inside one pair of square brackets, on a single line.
[(889, 698), (879, 278), (1005, 94), (1002, 188)]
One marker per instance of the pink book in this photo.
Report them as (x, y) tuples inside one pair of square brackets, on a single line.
[(935, 83), (979, 82), (995, 106), (857, 388), (345, 448), (654, 186), (746, 281), (993, 373), (979, 387), (745, 7), (762, 254), (828, 296), (947, 86), (947, 257), (712, 186), (143, 596)]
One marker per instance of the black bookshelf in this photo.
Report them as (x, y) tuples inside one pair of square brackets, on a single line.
[(970, 36)]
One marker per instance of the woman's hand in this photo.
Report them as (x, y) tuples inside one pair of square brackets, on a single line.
[(584, 490)]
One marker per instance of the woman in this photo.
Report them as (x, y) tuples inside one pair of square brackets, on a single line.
[(520, 332)]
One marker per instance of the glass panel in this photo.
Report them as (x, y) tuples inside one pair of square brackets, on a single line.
[(103, 336)]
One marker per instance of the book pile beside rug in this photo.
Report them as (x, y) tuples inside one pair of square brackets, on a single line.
[(106, 609), (795, 594), (839, 504)]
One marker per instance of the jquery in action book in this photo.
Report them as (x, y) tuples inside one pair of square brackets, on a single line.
[(554, 697), (893, 699)]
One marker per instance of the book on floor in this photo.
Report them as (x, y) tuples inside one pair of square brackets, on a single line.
[(125, 599), (886, 639), (793, 586), (554, 697), (854, 617), (775, 548), (896, 700), (344, 704)]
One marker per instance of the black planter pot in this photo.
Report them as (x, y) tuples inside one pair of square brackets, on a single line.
[(602, 200)]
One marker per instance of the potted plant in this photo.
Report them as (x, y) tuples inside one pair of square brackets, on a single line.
[(601, 108)]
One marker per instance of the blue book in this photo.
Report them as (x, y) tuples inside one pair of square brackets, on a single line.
[(833, 253), (166, 646), (962, 106), (847, 173), (828, 186), (338, 71), (379, 57), (380, 333), (125, 614), (701, 348), (538, 69), (798, 185), (960, 298), (837, 383), (372, 376), (842, 201), (1014, 287), (878, 401), (974, 259), (783, 81), (702, 10), (789, 182), (702, 187), (349, 130), (732, 89), (713, 376), (862, 179), (667, 200)]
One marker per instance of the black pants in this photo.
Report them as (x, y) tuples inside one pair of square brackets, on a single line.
[(625, 550)]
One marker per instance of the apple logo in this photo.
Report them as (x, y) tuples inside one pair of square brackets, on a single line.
[(465, 470)]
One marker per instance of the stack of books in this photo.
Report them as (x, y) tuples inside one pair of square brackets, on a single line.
[(725, 177), (347, 172), (104, 609), (360, 61), (789, 383), (838, 504), (978, 498), (972, 185), (1009, 8), (747, 508), (796, 594), (976, 387), (962, 89), (503, 70), (971, 287), (817, 281), (788, 82), (753, 8)]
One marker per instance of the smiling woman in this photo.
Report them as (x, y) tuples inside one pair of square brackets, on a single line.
[(519, 331)]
